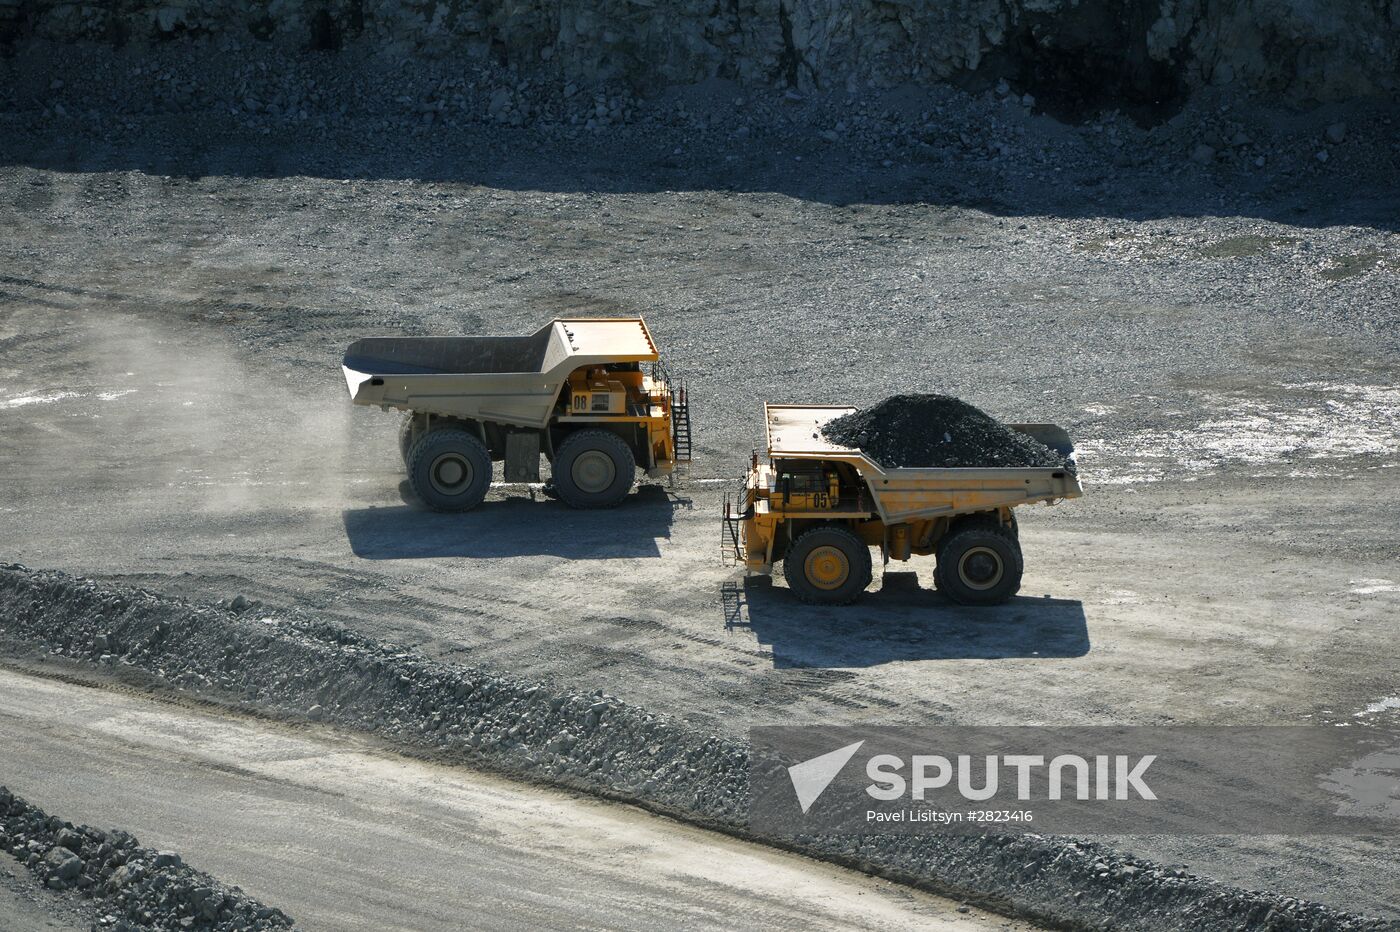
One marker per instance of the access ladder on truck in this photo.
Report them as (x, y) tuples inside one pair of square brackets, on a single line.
[(680, 421), (681, 439)]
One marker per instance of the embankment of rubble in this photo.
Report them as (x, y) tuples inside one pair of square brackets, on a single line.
[(296, 666), (132, 887)]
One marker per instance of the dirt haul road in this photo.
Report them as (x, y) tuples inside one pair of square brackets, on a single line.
[(173, 417), (341, 835)]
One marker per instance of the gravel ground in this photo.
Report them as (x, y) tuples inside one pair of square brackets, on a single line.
[(1220, 339), (26, 907), (174, 416)]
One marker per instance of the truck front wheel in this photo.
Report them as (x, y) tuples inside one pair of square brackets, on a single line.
[(827, 566), (593, 469), (979, 564), (450, 470)]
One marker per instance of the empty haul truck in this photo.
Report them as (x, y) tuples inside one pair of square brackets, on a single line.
[(589, 395)]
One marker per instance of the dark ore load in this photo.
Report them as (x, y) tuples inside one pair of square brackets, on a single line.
[(934, 431)]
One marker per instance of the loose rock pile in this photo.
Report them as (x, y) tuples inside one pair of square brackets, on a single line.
[(133, 887), (937, 431), (299, 666)]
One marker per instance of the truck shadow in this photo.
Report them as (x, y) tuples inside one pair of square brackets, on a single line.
[(902, 621), (516, 527)]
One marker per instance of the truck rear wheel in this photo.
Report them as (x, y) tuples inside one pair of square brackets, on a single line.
[(827, 566), (450, 470), (979, 564), (593, 469)]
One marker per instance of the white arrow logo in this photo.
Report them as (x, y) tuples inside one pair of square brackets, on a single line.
[(811, 777)]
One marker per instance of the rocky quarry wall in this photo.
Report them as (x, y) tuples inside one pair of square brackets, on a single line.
[(1074, 56)]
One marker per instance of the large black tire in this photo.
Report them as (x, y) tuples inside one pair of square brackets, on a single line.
[(406, 437), (979, 564), (593, 469), (450, 470), (827, 566)]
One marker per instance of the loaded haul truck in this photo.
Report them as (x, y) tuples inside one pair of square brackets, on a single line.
[(819, 506)]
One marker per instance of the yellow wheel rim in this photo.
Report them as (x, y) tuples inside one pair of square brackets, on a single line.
[(827, 568)]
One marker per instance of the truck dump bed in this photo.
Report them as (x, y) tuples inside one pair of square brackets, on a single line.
[(447, 355), (904, 494), (513, 380)]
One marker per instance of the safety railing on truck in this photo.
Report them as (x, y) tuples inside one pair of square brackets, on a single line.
[(738, 506), (680, 421), (682, 441)]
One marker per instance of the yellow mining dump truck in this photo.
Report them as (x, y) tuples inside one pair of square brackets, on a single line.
[(819, 507), (588, 393)]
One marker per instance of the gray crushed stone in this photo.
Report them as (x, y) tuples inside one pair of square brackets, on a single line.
[(131, 887), (288, 664), (937, 431)]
